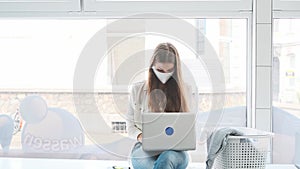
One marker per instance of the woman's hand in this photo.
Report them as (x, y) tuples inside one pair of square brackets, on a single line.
[(139, 138)]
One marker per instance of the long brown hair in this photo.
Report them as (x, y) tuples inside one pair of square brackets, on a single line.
[(172, 93)]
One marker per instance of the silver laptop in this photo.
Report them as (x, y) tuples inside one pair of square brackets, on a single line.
[(169, 131)]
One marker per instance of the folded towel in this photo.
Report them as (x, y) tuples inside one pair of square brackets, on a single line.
[(217, 142)]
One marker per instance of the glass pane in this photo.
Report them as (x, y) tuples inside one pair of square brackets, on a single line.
[(286, 93), (42, 54)]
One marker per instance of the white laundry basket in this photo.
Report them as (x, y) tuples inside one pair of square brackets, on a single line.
[(244, 152)]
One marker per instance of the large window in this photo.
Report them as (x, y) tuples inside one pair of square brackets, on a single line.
[(40, 57), (286, 89)]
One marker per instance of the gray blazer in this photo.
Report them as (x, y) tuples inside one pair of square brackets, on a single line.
[(138, 104)]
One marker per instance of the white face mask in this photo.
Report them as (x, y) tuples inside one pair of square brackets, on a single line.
[(163, 77)]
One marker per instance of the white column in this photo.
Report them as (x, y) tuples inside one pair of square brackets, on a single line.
[(263, 64)]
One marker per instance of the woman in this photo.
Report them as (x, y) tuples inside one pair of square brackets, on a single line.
[(162, 92)]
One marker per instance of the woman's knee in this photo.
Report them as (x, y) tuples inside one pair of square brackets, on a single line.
[(141, 159), (142, 163), (173, 159), (180, 156)]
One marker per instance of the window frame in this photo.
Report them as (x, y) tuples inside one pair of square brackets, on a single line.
[(165, 6), (39, 6), (286, 5), (286, 9), (250, 67), (195, 15)]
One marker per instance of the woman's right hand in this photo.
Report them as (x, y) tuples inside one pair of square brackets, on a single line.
[(139, 138)]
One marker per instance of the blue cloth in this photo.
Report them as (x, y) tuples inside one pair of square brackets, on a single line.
[(170, 159), (217, 142)]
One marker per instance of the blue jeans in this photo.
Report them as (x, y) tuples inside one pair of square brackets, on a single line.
[(170, 159)]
